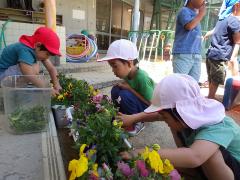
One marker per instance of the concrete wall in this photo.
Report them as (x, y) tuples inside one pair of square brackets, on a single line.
[(84, 12)]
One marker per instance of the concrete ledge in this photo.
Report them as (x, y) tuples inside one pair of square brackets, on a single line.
[(53, 167), (31, 156)]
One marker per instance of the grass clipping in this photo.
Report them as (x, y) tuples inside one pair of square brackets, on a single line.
[(28, 120)]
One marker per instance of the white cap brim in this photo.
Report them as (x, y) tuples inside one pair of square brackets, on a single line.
[(152, 109), (108, 58)]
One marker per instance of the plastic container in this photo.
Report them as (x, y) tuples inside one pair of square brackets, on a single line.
[(26, 106)]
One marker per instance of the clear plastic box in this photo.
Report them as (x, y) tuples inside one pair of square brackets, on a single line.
[(26, 106)]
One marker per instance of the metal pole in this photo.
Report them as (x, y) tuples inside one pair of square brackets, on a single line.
[(136, 19), (50, 14)]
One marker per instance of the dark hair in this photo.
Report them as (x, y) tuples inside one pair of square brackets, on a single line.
[(43, 48), (135, 61), (174, 113)]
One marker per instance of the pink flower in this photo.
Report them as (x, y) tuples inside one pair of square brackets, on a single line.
[(93, 177), (142, 167), (97, 99), (174, 175), (125, 169)]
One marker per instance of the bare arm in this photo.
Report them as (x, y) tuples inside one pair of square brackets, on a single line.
[(125, 85), (191, 157), (27, 69), (53, 74), (233, 60), (191, 25), (128, 120), (209, 33)]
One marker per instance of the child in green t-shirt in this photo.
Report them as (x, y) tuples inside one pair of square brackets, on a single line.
[(134, 94)]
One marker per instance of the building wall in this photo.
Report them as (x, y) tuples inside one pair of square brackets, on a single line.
[(77, 15)]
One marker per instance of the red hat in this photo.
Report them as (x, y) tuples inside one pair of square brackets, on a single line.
[(46, 36)]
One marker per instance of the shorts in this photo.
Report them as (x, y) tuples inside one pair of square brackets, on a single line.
[(12, 70), (216, 71), (187, 64)]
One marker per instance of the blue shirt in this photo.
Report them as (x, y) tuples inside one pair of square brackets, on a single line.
[(187, 41), (16, 53), (221, 47), (225, 134)]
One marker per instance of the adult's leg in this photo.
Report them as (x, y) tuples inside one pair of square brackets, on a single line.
[(216, 168)]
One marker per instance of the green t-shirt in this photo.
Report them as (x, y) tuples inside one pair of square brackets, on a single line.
[(142, 84), (226, 134)]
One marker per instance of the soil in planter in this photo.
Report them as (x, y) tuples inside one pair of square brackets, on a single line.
[(66, 145)]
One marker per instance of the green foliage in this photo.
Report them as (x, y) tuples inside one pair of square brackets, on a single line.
[(28, 120), (93, 119)]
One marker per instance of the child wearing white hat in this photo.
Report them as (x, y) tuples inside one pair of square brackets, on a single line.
[(134, 94), (214, 139)]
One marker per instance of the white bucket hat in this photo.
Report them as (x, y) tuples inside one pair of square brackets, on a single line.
[(182, 92), (121, 49)]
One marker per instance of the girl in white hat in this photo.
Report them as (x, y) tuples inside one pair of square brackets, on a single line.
[(213, 139)]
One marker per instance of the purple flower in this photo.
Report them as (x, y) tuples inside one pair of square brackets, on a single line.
[(125, 169), (142, 167), (174, 175), (99, 107), (97, 99)]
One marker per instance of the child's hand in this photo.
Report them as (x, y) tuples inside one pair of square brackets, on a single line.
[(124, 85), (127, 120), (54, 92), (57, 87), (202, 10), (126, 155)]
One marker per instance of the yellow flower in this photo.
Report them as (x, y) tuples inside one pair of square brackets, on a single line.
[(70, 86), (82, 149), (95, 168), (155, 162), (78, 167), (156, 147), (83, 166), (91, 89), (73, 164), (145, 154), (168, 167), (115, 123), (91, 152), (95, 92), (60, 97)]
